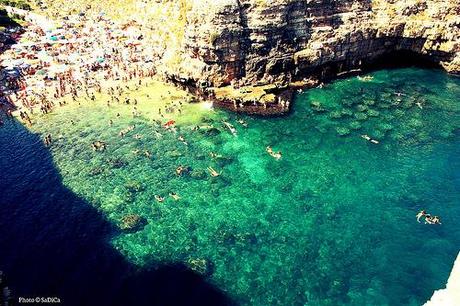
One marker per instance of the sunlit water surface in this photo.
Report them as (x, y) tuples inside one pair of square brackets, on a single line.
[(330, 223)]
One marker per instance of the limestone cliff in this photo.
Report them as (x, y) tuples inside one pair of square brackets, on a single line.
[(249, 42), (229, 44), (450, 296), (261, 40)]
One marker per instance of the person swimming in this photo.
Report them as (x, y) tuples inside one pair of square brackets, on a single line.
[(159, 198), (242, 122), (421, 214), (428, 219), (180, 170), (436, 220), (214, 155), (275, 155), (175, 196), (98, 145), (368, 138), (182, 139), (213, 172)]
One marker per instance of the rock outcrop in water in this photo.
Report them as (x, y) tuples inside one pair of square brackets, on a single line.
[(451, 294), (236, 45)]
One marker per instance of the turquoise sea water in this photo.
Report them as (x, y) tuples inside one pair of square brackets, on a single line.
[(330, 223)]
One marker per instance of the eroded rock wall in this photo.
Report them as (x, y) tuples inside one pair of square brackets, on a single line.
[(261, 41)]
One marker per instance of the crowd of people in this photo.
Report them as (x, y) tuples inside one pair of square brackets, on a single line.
[(79, 57)]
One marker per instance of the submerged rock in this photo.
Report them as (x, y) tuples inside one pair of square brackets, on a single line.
[(347, 112), (361, 116), (385, 127), (373, 113), (173, 154), (133, 186), (361, 108), (117, 163), (198, 174), (343, 131), (200, 265), (369, 102), (211, 132), (132, 223), (317, 107), (355, 125), (335, 115), (96, 171)]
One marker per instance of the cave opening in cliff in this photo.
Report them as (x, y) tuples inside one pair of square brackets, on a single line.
[(402, 59)]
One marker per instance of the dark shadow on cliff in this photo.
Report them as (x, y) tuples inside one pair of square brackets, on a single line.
[(401, 59), (54, 243)]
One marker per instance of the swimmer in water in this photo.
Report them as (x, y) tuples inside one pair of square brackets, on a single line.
[(275, 155), (213, 172), (180, 170), (98, 145), (148, 154), (368, 138), (182, 139), (421, 214), (175, 196), (428, 219), (214, 155), (436, 220), (242, 122), (159, 198)]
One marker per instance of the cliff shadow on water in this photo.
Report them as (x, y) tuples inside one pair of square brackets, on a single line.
[(55, 244)]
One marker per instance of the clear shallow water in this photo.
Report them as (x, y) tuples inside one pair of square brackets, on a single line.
[(331, 223)]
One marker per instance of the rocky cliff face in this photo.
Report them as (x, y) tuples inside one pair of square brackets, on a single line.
[(234, 45), (260, 42)]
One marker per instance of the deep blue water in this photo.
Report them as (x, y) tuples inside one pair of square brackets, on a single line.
[(54, 244)]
